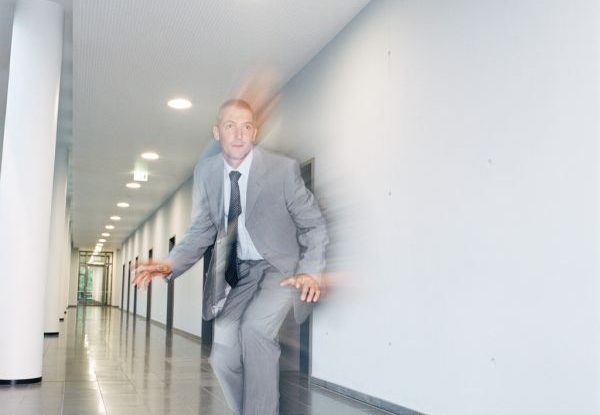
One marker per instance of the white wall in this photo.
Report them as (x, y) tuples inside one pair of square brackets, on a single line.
[(456, 153), (171, 219)]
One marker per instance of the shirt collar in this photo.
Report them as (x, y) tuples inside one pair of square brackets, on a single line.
[(243, 168)]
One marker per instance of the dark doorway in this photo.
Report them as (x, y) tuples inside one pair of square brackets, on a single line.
[(307, 171), (170, 293), (207, 326), (135, 290), (122, 286), (295, 340), (149, 294), (128, 283)]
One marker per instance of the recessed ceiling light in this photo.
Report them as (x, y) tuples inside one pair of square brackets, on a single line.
[(109, 227), (123, 204), (115, 218), (150, 156), (105, 234), (101, 240), (179, 103), (133, 185)]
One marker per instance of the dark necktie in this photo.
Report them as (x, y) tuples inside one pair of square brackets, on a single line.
[(235, 208)]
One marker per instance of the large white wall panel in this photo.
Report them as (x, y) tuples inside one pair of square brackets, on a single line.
[(171, 219), (161, 237), (456, 153), (187, 313)]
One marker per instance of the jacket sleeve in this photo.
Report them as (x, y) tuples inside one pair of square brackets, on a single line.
[(310, 223), (200, 235)]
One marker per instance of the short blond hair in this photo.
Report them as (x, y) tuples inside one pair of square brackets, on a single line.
[(237, 103)]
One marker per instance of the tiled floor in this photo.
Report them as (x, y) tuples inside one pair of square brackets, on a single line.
[(105, 362)]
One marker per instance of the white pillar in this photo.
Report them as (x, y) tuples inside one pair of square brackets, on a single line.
[(54, 282), (26, 185)]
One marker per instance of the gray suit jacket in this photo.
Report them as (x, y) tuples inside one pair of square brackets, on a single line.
[(282, 218)]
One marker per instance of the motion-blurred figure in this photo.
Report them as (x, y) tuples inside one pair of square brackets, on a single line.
[(269, 252)]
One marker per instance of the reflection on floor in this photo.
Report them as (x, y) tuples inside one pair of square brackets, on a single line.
[(107, 362)]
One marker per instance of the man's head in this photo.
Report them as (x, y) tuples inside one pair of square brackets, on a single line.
[(235, 130)]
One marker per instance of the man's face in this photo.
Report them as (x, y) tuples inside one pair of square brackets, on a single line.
[(236, 133)]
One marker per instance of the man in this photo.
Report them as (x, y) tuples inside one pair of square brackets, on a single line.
[(270, 239)]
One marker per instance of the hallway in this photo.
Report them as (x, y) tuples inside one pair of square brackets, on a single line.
[(105, 362)]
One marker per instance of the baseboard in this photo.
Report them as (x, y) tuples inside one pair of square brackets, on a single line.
[(364, 398), (14, 382), (187, 335), (164, 326)]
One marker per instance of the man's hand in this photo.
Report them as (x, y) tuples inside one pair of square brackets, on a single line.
[(311, 289), (148, 270)]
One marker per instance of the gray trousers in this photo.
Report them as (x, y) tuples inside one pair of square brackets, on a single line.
[(245, 353)]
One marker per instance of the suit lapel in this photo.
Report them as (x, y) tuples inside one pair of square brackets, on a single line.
[(255, 180)]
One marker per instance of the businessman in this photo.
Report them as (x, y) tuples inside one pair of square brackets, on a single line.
[(269, 241)]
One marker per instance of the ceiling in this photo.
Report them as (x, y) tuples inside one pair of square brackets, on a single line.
[(130, 57)]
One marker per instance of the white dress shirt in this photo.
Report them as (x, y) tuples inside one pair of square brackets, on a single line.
[(246, 249)]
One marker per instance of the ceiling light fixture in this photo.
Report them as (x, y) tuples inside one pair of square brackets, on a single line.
[(115, 218), (123, 204), (105, 234), (179, 103), (150, 156), (109, 227), (102, 240), (133, 185)]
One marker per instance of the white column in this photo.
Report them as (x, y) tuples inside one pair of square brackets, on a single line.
[(54, 282), (26, 185)]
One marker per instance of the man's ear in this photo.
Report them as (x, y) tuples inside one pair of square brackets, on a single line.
[(216, 133)]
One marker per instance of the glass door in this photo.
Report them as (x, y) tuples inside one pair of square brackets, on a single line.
[(94, 284)]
